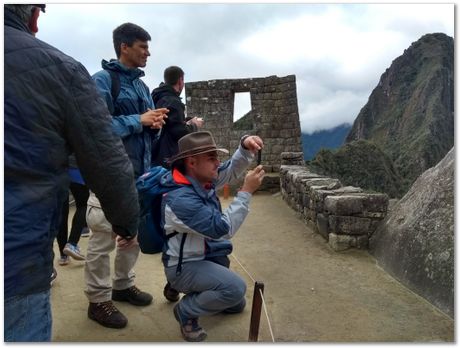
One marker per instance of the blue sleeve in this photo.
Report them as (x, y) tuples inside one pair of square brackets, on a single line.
[(122, 125), (189, 214)]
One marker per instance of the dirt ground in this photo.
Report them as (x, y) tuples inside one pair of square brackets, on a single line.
[(312, 294)]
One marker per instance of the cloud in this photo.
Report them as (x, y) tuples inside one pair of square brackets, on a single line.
[(337, 51)]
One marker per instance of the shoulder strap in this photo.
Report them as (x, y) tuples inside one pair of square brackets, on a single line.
[(115, 89), (181, 254)]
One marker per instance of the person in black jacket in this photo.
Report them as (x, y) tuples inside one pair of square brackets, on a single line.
[(51, 109), (167, 95)]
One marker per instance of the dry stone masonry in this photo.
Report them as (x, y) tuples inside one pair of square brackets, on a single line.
[(345, 216), (273, 116)]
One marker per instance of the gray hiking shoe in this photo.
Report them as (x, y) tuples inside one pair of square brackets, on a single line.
[(191, 331)]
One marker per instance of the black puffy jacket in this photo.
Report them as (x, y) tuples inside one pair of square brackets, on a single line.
[(175, 128), (52, 108)]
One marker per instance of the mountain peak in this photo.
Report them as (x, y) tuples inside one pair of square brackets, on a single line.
[(409, 114)]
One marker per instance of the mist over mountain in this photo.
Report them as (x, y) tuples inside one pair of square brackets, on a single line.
[(327, 139)]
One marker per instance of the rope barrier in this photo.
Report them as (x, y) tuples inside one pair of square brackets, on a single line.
[(266, 314), (244, 269), (261, 295)]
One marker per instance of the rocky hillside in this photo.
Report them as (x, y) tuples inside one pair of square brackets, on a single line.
[(360, 163), (415, 242), (410, 114)]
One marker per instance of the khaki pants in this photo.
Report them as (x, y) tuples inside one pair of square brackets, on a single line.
[(97, 267)]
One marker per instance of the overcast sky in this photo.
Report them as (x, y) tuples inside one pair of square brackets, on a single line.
[(337, 51)]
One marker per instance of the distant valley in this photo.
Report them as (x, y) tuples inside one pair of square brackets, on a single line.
[(327, 139)]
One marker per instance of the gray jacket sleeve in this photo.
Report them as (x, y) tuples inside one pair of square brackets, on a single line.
[(100, 154), (232, 169)]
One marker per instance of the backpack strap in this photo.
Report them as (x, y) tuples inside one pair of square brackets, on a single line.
[(115, 89), (181, 254), (169, 236)]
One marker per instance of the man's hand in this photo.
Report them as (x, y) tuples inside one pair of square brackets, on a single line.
[(253, 179), (154, 118), (197, 121), (124, 244), (253, 143)]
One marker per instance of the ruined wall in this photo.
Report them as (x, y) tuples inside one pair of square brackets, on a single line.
[(274, 115), (345, 216)]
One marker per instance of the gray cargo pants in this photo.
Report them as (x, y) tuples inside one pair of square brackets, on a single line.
[(209, 288)]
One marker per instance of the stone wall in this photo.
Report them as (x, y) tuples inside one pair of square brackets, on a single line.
[(274, 115), (345, 216)]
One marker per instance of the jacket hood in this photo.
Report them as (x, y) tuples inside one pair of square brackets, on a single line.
[(14, 21), (115, 65), (163, 90)]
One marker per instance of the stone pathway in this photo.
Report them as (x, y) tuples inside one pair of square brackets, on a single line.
[(312, 293)]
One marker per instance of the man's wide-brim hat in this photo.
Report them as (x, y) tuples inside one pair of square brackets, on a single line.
[(194, 144)]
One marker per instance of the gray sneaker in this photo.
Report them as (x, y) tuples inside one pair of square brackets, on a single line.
[(191, 331), (73, 251)]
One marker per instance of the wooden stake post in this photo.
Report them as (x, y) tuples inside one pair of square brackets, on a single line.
[(255, 312)]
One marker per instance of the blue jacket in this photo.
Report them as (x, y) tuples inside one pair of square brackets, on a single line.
[(51, 109), (195, 213), (133, 100)]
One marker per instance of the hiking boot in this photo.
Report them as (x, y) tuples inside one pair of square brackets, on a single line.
[(171, 294), (132, 295), (63, 260), (53, 276), (106, 314), (191, 331), (74, 251)]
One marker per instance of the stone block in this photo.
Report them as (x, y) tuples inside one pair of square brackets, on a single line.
[(340, 242), (310, 215), (322, 181), (376, 202), (350, 225), (317, 197), (360, 242), (322, 224), (348, 189), (343, 205), (306, 200), (372, 215)]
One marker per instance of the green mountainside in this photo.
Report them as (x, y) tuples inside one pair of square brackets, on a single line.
[(360, 163), (409, 116)]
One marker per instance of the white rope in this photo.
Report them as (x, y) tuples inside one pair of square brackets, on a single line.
[(261, 295), (244, 269), (266, 314)]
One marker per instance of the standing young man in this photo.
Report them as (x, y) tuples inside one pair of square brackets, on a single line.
[(167, 95), (136, 123), (52, 109), (198, 230)]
